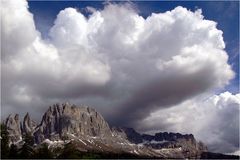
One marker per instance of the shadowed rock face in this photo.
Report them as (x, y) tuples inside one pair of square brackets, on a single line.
[(187, 144), (28, 125), (87, 129)]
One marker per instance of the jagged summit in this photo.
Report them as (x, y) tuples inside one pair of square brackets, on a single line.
[(87, 129), (28, 124), (14, 127), (61, 120)]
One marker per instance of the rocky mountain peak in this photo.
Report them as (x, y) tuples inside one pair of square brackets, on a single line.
[(13, 124), (61, 120), (28, 125)]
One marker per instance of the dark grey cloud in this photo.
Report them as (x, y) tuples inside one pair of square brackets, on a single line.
[(160, 93)]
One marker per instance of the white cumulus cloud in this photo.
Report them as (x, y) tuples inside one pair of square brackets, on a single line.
[(214, 120)]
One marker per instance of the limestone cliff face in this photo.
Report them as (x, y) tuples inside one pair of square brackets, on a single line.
[(14, 127), (28, 125), (182, 145), (62, 120)]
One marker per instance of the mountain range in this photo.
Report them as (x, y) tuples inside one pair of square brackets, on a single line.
[(86, 129)]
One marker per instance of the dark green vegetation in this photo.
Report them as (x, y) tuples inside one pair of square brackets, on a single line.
[(26, 151), (4, 142), (210, 155)]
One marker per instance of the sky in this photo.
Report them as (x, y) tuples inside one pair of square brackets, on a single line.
[(155, 66)]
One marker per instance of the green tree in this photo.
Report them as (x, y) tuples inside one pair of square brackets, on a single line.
[(44, 152), (13, 153), (4, 141), (27, 150), (70, 152)]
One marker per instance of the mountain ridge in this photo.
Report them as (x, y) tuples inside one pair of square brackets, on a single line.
[(87, 129)]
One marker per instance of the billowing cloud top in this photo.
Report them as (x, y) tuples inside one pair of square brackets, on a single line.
[(116, 60)]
